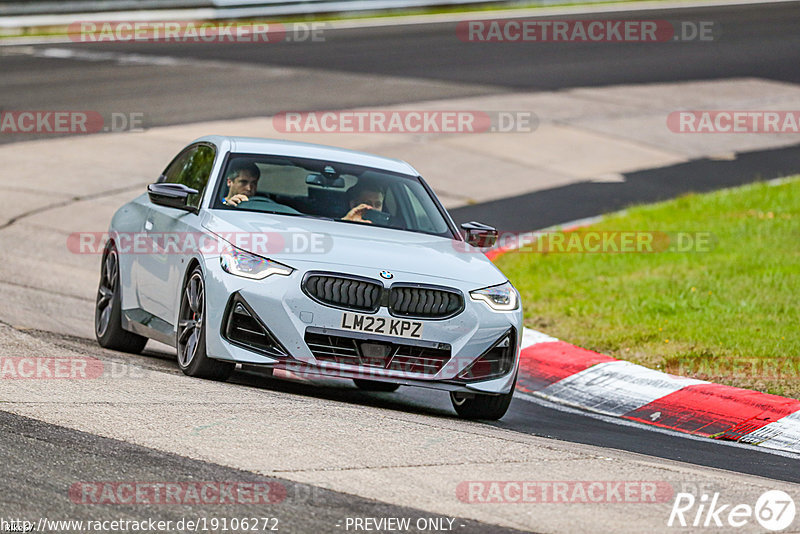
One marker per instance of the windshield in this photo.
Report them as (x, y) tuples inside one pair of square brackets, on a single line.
[(349, 194)]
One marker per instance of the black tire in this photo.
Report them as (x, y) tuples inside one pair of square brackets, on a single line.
[(487, 407), (191, 336), (372, 385), (108, 309)]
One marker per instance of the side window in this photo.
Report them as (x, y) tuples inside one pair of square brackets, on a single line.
[(193, 169)]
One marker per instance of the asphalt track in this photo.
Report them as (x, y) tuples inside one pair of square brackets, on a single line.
[(559, 205), (43, 492), (755, 41), (545, 421), (383, 66), (525, 416)]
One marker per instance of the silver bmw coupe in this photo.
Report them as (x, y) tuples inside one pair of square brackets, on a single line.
[(316, 260)]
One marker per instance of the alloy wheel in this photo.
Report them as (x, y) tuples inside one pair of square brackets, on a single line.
[(190, 324)]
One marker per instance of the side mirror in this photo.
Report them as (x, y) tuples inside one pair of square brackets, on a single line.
[(171, 195), (480, 235)]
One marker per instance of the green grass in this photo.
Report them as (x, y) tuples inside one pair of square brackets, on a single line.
[(729, 315)]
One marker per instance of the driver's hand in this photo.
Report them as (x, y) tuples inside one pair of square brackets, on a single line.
[(356, 214), (235, 200)]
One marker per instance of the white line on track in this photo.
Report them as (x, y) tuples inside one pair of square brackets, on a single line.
[(130, 59), (532, 337), (89, 55), (783, 433), (615, 388)]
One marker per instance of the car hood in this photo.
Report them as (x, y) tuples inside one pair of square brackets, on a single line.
[(302, 239)]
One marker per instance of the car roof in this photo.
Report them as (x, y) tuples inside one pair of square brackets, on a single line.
[(281, 147)]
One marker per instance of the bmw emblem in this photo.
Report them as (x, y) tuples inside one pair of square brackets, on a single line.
[(386, 275)]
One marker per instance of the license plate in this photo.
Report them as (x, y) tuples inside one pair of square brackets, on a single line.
[(382, 325)]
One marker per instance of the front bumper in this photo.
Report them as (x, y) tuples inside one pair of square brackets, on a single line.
[(289, 314)]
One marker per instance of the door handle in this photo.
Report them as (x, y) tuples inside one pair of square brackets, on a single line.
[(148, 225)]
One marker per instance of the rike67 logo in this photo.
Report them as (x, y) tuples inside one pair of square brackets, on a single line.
[(774, 510)]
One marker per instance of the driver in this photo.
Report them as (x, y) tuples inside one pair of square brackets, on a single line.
[(242, 182), (363, 196)]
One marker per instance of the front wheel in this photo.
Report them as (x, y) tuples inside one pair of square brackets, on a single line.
[(191, 342), (489, 407)]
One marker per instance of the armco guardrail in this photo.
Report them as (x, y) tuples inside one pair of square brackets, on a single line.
[(221, 8)]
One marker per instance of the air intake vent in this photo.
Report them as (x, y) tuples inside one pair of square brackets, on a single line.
[(243, 327), (381, 353), (495, 362)]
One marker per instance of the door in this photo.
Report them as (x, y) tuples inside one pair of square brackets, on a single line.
[(169, 232)]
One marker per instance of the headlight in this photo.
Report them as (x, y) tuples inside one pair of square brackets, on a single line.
[(240, 263), (499, 298)]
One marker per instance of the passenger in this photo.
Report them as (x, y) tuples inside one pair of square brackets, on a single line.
[(363, 196)]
